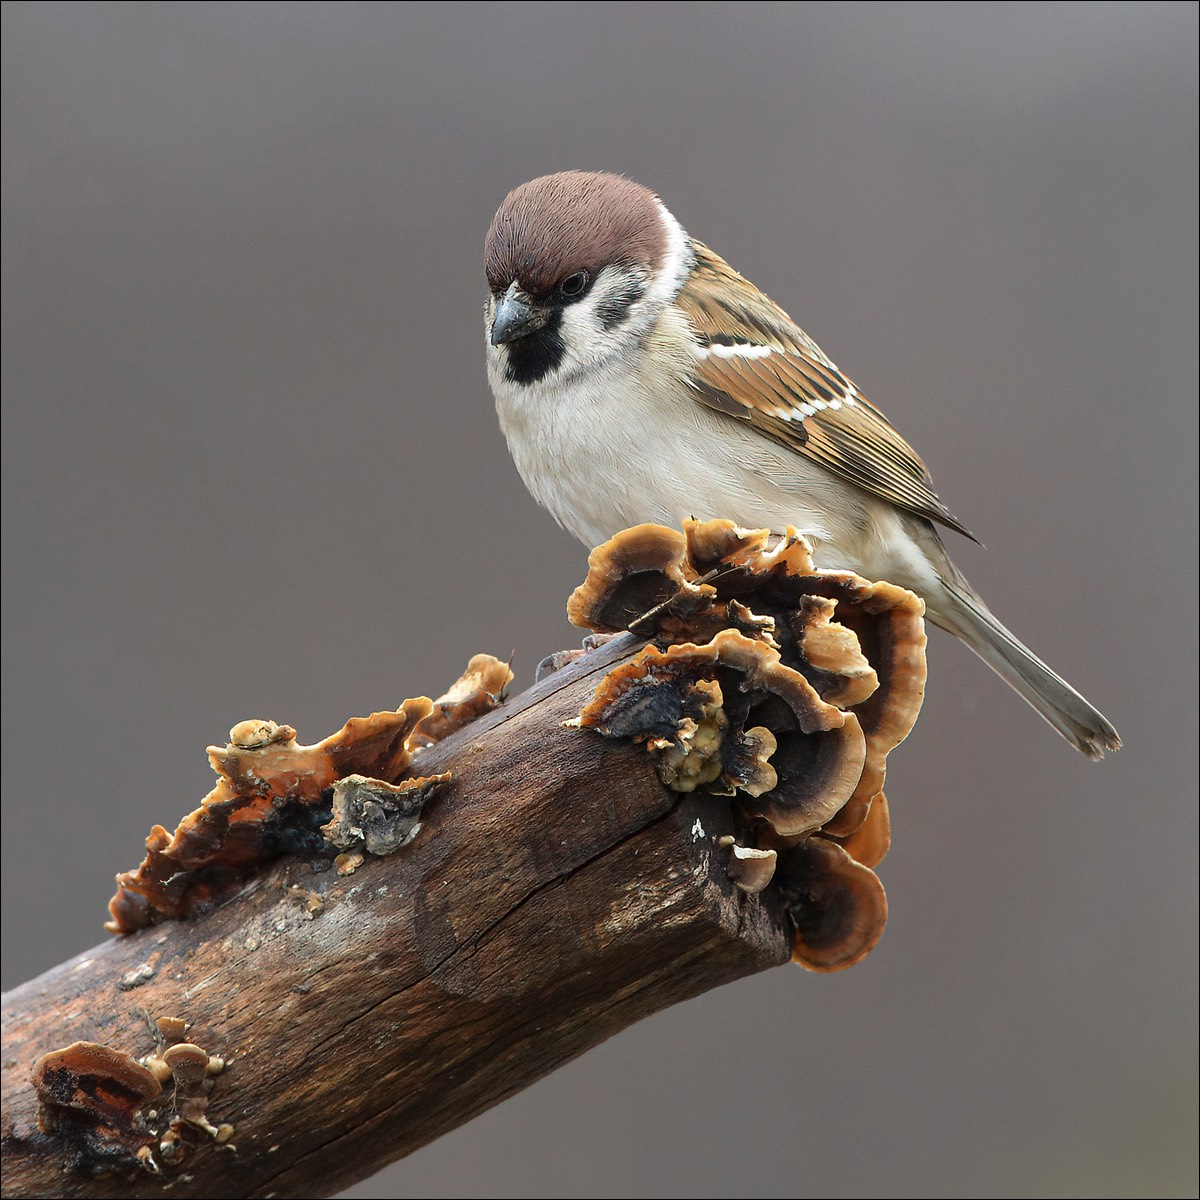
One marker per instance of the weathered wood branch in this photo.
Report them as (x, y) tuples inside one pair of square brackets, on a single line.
[(323, 1022), (557, 893)]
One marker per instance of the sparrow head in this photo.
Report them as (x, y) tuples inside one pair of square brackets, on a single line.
[(578, 265)]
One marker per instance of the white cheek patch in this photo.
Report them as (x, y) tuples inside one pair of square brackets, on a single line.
[(583, 335)]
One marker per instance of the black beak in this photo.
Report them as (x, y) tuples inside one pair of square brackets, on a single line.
[(515, 317)]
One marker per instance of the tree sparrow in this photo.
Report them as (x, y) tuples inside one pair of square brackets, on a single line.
[(638, 377)]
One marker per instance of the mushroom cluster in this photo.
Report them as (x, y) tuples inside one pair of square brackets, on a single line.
[(780, 685), (274, 796)]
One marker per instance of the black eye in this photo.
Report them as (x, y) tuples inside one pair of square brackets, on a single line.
[(574, 285)]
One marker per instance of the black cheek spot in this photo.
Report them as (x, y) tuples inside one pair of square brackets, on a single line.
[(533, 357), (615, 309)]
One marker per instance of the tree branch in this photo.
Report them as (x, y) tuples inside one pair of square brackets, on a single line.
[(556, 894), (294, 1037)]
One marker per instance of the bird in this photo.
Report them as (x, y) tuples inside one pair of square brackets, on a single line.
[(639, 378)]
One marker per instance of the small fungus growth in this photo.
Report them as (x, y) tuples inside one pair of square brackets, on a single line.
[(110, 1112)]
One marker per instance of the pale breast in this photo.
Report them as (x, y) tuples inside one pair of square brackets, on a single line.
[(615, 448)]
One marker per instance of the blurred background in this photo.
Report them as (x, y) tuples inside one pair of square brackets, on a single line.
[(251, 468)]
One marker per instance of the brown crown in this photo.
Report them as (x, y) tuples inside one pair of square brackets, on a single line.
[(554, 226)]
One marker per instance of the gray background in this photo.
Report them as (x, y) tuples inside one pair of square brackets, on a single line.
[(251, 468)]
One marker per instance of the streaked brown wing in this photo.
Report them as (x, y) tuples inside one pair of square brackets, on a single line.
[(756, 364)]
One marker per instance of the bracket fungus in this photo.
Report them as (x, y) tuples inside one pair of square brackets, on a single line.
[(275, 796), (837, 906), (763, 679), (476, 691), (773, 682), (382, 817), (91, 1097), (751, 869)]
